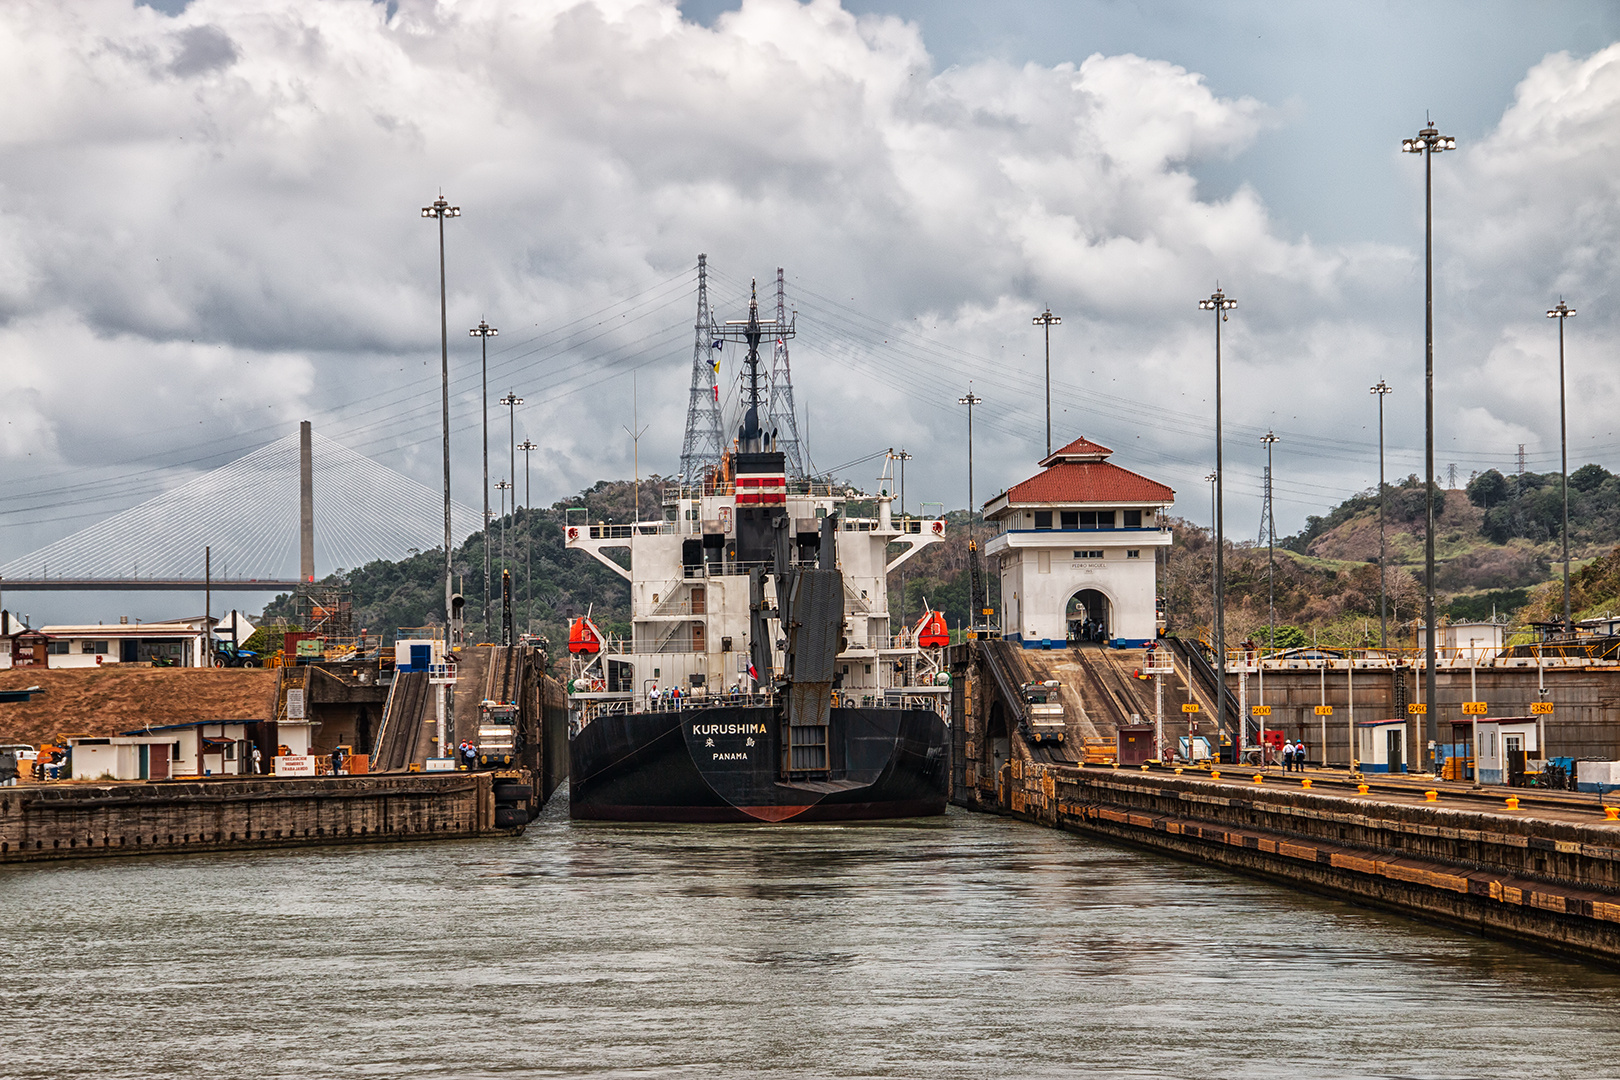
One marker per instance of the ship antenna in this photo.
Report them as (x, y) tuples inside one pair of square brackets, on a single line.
[(751, 436)]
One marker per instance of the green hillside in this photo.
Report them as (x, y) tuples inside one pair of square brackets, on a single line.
[(1497, 548), (552, 584)]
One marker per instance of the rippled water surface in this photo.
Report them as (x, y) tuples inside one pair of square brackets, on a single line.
[(967, 946)]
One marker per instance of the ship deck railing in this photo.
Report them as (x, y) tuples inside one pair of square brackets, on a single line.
[(674, 494), (926, 697)]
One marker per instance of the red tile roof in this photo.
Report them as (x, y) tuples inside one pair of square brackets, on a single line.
[(1081, 446), (1088, 482)]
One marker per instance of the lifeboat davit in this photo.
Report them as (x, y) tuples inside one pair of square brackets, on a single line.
[(932, 633), (583, 637)]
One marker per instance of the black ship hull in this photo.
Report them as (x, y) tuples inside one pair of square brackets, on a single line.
[(722, 764)]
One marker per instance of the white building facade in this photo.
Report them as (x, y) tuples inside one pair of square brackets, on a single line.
[(1076, 550), (181, 642)]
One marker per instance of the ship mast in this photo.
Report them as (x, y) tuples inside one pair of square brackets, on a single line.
[(752, 438)]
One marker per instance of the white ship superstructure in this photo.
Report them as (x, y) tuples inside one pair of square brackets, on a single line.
[(689, 596), (690, 572)]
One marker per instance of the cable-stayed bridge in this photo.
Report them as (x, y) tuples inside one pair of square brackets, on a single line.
[(264, 526)]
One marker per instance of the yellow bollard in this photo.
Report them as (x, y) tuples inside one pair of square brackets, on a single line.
[(1362, 789), (1214, 774), (1259, 779), (1612, 813), (1144, 768), (1512, 802), (1431, 796), (1305, 783), (1178, 770)]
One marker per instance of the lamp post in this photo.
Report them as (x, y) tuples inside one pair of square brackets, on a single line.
[(1381, 389), (1048, 320), (512, 401), (970, 399), (1220, 304), (1270, 439), (526, 445), (483, 331), (1428, 142), (975, 617), (441, 210), (528, 574), (1213, 591), (503, 486), (1562, 312)]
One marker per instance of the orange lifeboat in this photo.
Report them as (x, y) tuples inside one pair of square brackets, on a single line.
[(583, 637), (932, 633)]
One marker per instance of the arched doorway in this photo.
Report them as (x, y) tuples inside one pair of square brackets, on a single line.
[(1090, 616)]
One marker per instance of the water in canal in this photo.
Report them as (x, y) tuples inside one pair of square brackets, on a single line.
[(967, 946)]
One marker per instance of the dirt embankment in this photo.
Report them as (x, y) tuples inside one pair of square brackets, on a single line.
[(112, 700)]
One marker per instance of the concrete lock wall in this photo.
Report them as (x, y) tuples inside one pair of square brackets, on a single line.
[(79, 820), (1544, 878)]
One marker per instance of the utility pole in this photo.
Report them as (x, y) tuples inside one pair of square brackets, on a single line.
[(1269, 523), (503, 486), (528, 571), (1382, 389), (512, 401), (1428, 142), (970, 399), (1220, 304), (207, 659), (1048, 320), (1214, 589), (635, 434), (1561, 313), (441, 210), (902, 457), (483, 331), (976, 617), (527, 445)]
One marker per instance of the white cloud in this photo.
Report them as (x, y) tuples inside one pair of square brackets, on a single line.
[(227, 201)]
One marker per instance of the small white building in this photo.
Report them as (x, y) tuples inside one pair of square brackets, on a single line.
[(1075, 550), (1381, 745), (198, 748), (1489, 742), (122, 757), (182, 641), (1468, 642)]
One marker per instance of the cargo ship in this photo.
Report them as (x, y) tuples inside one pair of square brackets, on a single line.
[(761, 680)]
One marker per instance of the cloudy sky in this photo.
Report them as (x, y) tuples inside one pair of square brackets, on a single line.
[(210, 229)]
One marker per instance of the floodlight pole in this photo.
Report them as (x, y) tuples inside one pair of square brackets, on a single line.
[(441, 210), (1562, 312), (970, 399), (1270, 438), (1381, 389), (483, 331), (1220, 304), (503, 486), (1048, 320), (976, 616), (511, 401), (526, 445), (528, 574), (1428, 142)]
